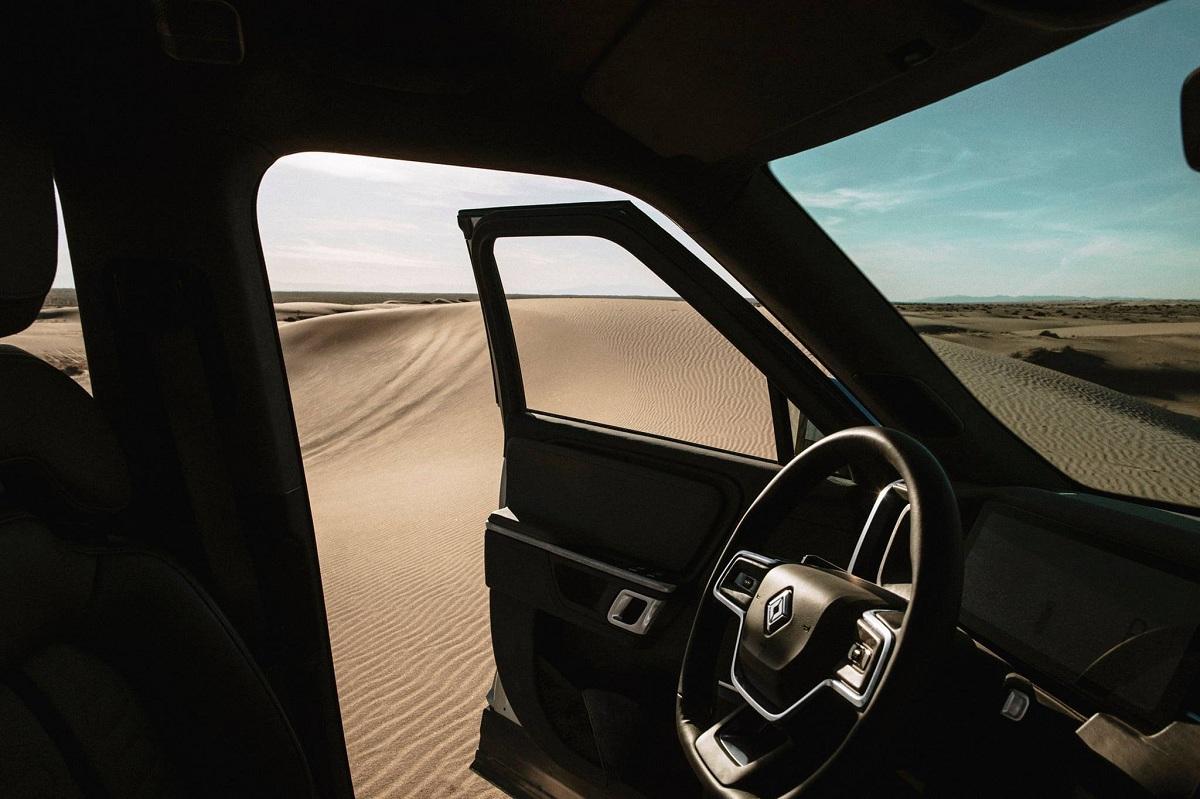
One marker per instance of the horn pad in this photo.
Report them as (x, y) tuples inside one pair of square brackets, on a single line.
[(798, 628)]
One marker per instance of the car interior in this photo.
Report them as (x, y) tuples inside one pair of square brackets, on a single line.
[(916, 604)]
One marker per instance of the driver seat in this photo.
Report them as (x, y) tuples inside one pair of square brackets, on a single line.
[(119, 675)]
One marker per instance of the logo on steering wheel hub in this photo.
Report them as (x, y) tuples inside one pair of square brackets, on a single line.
[(778, 612)]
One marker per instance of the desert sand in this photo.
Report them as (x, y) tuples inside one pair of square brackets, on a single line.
[(57, 338), (1109, 390), (1149, 350), (402, 447)]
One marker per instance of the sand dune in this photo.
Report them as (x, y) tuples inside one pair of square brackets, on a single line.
[(653, 365), (1146, 349), (1102, 437), (402, 446), (57, 338)]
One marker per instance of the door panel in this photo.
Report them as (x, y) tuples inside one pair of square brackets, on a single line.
[(604, 537), (655, 513)]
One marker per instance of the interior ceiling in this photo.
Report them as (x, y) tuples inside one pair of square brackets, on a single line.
[(713, 81), (681, 92)]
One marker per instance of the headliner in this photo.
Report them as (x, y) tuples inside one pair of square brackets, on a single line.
[(600, 89)]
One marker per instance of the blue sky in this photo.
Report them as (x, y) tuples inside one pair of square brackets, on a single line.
[(1065, 176), (1062, 177)]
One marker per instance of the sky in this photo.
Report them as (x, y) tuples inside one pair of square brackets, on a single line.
[(1063, 177), (336, 222), (341, 222)]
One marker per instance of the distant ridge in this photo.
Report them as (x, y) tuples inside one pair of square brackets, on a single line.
[(1016, 298)]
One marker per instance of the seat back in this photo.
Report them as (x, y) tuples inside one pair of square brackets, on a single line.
[(119, 676)]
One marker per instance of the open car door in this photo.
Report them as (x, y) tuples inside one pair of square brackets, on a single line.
[(604, 535)]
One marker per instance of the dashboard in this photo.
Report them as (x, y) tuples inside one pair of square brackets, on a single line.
[(1108, 623), (1088, 609), (1095, 600)]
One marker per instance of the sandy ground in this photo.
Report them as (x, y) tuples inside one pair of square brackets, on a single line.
[(57, 338), (1149, 350), (402, 444), (1110, 391)]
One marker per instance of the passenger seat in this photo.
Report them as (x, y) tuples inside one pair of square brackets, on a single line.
[(119, 676)]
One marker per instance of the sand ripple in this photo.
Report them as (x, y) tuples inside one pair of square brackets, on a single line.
[(1103, 438)]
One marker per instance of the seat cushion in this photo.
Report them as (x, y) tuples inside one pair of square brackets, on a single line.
[(120, 678)]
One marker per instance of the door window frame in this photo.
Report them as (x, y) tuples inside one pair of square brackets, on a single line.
[(789, 374)]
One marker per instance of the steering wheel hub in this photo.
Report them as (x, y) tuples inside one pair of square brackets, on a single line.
[(797, 630)]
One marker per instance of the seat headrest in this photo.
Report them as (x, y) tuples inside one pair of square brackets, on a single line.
[(28, 226), (59, 459)]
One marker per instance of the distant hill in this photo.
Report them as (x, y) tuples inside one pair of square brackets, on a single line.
[(1011, 298), (61, 298)]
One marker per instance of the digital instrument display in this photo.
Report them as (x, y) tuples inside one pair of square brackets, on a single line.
[(1121, 631)]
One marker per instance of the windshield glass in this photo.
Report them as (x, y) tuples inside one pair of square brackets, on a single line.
[(1041, 231)]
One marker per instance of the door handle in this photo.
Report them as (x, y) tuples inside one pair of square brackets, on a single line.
[(633, 611)]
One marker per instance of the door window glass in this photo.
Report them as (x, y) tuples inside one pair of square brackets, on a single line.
[(601, 338)]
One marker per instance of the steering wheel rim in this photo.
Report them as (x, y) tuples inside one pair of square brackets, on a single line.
[(924, 633)]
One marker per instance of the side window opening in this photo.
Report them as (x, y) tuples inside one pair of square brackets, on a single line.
[(392, 389)]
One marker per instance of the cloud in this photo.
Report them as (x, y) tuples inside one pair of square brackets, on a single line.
[(884, 197), (857, 200), (1105, 247), (327, 254), (1037, 246), (351, 167), (361, 225)]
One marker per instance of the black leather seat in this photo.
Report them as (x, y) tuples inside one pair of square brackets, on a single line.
[(119, 676)]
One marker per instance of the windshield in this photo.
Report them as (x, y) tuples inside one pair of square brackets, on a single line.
[(1041, 231)]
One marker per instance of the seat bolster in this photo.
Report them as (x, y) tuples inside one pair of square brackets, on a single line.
[(149, 680), (166, 636), (30, 762), (45, 585)]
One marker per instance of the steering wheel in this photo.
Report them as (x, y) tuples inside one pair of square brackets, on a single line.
[(828, 664)]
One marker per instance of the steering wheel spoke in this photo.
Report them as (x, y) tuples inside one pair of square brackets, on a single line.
[(740, 580)]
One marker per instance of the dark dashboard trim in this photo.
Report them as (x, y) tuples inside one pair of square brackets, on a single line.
[(1101, 526)]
